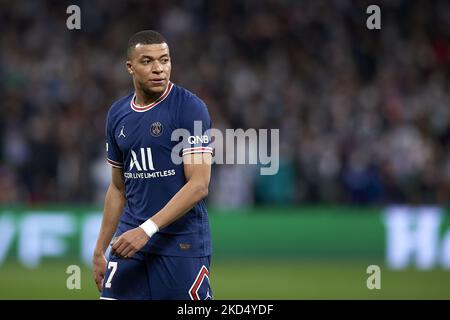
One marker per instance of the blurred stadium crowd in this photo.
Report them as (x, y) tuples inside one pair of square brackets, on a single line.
[(364, 115)]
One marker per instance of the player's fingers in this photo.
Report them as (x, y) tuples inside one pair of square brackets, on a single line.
[(121, 248), (131, 254), (99, 280), (113, 241), (131, 250), (97, 272), (126, 252), (114, 253), (117, 243), (99, 285)]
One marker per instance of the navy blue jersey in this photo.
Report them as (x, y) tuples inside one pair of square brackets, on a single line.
[(138, 139)]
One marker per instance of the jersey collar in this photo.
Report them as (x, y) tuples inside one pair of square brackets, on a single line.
[(137, 108)]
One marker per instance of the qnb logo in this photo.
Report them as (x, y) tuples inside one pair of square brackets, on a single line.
[(145, 162), (198, 139)]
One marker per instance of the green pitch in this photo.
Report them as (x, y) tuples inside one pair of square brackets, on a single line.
[(249, 280)]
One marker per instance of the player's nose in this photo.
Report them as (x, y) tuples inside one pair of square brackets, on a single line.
[(157, 68)]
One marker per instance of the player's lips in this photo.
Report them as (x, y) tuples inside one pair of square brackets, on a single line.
[(157, 81)]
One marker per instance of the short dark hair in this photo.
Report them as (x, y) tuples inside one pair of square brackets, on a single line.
[(144, 37)]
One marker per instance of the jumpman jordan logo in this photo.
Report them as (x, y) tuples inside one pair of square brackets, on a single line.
[(208, 295), (121, 134)]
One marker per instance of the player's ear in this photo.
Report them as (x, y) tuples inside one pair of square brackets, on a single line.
[(129, 67)]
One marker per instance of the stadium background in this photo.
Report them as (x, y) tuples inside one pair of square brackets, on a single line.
[(364, 119)]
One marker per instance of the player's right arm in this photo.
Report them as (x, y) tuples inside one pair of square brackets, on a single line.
[(114, 203)]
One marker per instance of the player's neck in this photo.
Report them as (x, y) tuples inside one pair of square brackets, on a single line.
[(145, 98)]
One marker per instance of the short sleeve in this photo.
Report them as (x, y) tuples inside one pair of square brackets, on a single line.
[(113, 154), (194, 117)]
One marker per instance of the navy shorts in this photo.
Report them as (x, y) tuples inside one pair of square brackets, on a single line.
[(154, 277)]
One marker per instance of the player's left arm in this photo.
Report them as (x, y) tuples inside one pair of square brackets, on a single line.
[(197, 169)]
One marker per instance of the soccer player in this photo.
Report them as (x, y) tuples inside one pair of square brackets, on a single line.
[(155, 218)]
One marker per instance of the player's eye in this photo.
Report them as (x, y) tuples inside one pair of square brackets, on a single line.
[(146, 61), (164, 60)]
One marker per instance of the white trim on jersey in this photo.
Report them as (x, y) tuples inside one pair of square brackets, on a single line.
[(197, 150), (114, 164), (137, 108)]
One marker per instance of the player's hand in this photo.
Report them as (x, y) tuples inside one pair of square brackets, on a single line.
[(130, 242), (99, 269)]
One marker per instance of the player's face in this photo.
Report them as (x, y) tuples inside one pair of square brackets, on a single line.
[(150, 67)]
